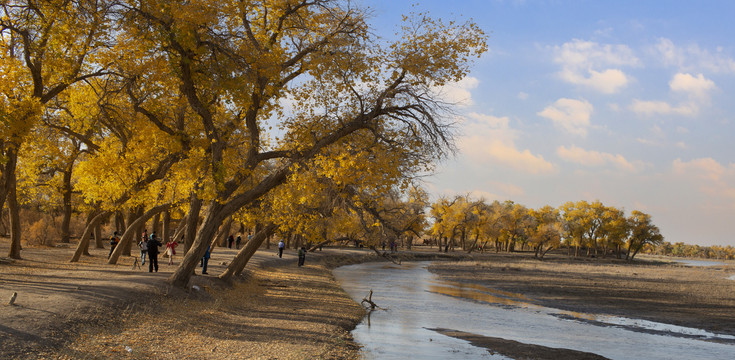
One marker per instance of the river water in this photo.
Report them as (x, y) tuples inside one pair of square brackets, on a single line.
[(413, 301)]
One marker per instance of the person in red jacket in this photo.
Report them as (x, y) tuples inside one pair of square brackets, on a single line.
[(171, 250)]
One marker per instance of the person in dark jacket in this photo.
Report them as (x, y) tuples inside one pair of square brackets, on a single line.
[(302, 255), (205, 259), (114, 240), (153, 245)]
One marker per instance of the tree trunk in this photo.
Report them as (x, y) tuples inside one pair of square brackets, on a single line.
[(66, 195), (180, 228), (195, 207), (99, 244), (241, 260), (120, 222), (215, 217), (133, 215), (156, 226), (223, 233), (130, 233), (12, 200), (84, 241), (166, 226)]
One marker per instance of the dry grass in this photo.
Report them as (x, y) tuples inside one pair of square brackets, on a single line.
[(91, 310), (279, 313)]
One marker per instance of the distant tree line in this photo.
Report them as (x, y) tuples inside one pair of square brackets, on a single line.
[(681, 249), (582, 227)]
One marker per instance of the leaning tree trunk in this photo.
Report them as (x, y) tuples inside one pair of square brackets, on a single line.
[(84, 241), (215, 217), (130, 233), (192, 220), (241, 259)]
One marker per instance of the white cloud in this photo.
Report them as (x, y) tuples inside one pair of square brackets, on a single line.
[(580, 53), (594, 65), (609, 81), (458, 93), (647, 142), (697, 87), (510, 190), (522, 95), (713, 178), (484, 195), (570, 114), (692, 57), (594, 158), (490, 139), (649, 108)]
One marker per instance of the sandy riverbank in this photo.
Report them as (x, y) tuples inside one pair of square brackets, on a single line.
[(697, 297)]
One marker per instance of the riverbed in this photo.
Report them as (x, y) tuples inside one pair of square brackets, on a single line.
[(413, 301)]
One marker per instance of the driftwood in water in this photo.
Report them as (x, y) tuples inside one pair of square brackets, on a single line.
[(369, 300)]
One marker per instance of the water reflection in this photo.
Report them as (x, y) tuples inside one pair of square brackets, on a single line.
[(689, 262), (416, 300)]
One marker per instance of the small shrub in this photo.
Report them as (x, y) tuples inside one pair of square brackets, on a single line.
[(41, 233)]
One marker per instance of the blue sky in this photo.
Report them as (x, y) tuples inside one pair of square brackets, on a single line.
[(626, 102)]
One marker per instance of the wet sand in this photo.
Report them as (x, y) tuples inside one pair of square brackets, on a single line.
[(695, 297), (517, 350)]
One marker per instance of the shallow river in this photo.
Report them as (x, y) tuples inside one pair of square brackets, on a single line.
[(415, 300)]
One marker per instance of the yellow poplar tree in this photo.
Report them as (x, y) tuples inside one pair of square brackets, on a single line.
[(45, 47), (239, 65)]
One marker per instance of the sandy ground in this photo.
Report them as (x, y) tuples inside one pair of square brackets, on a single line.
[(276, 310), (92, 310)]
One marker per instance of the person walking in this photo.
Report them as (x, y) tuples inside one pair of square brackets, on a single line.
[(143, 244), (205, 259), (302, 256), (113, 243), (153, 245), (281, 246), (230, 240), (171, 250), (237, 241)]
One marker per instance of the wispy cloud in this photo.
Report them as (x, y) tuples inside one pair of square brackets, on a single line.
[(696, 88), (593, 158), (692, 57), (649, 108), (595, 66), (458, 93), (489, 139), (713, 178)]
